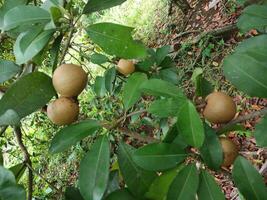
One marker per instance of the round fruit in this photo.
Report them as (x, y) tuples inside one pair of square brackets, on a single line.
[(230, 151), (69, 80), (220, 108), (63, 111), (125, 67)]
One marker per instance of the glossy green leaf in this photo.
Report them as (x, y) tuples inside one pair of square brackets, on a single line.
[(131, 93), (72, 134), (260, 132), (211, 150), (8, 69), (18, 170), (94, 170), (99, 86), (179, 142), (248, 180), (160, 186), (246, 68), (8, 5), (167, 63), (185, 184), (169, 75), (72, 193), (9, 190), (190, 125), (110, 76), (161, 53), (99, 59), (113, 182), (123, 194), (116, 40), (203, 87), (253, 17), (137, 180), (96, 5), (24, 15), (37, 91), (30, 43), (208, 188), (158, 156), (165, 107), (157, 87)]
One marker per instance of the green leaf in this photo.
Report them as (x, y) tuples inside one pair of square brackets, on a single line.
[(37, 90), (8, 69), (248, 180), (161, 53), (72, 134), (158, 157), (99, 59), (30, 43), (260, 132), (110, 76), (185, 184), (160, 186), (116, 40), (208, 188), (122, 194), (234, 127), (131, 93), (24, 15), (211, 150), (55, 50), (9, 190), (165, 107), (179, 141), (253, 17), (113, 182), (169, 75), (157, 87), (99, 86), (190, 125), (246, 69), (203, 87), (94, 170), (18, 170), (96, 5), (137, 180), (73, 193), (6, 7)]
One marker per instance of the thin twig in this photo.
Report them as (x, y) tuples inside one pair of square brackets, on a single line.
[(243, 118), (186, 33), (66, 47), (27, 160), (126, 116), (137, 136)]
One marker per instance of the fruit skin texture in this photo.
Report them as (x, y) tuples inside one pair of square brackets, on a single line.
[(63, 111), (230, 151), (69, 80), (220, 108), (125, 67)]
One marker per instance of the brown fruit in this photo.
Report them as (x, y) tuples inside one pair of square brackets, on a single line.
[(220, 108), (69, 80), (230, 151), (125, 67), (63, 111)]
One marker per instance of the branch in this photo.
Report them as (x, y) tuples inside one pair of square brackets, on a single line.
[(243, 118), (129, 115), (27, 160), (137, 136), (66, 47)]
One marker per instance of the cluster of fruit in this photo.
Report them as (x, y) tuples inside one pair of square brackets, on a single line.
[(220, 108), (69, 80)]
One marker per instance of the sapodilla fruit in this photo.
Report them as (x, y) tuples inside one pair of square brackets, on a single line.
[(63, 111), (220, 108), (125, 67), (69, 80), (230, 151)]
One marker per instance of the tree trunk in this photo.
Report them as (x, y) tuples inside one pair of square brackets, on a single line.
[(183, 5)]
